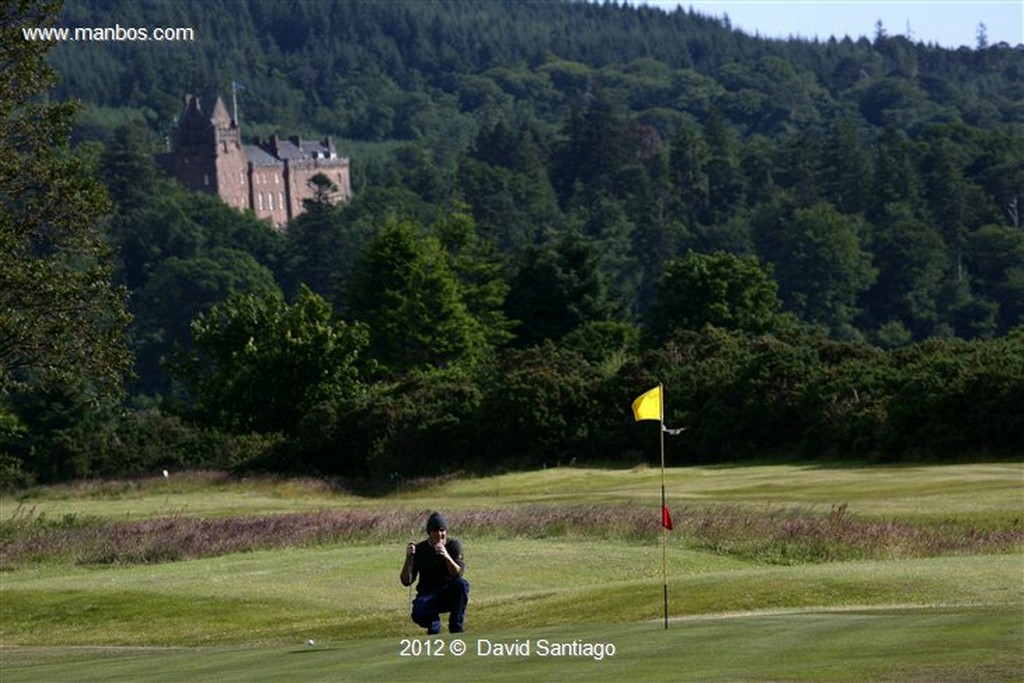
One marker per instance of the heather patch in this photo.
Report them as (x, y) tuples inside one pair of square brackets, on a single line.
[(187, 481), (27, 538), (795, 536), (767, 536)]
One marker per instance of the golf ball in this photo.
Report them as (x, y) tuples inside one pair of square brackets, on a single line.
[(311, 642)]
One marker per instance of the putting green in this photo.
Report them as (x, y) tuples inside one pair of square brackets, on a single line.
[(934, 644)]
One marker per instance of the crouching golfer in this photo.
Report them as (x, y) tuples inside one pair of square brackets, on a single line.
[(438, 563)]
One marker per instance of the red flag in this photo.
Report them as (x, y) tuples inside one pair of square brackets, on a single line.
[(666, 518)]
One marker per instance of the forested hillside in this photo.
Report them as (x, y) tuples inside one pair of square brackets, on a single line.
[(408, 70), (816, 246)]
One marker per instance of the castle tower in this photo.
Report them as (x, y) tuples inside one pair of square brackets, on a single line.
[(208, 155)]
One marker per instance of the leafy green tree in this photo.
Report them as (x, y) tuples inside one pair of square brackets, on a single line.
[(319, 251), (146, 235), (965, 313), (604, 224), (478, 271), (820, 264), (538, 405), (699, 369), (60, 317), (847, 167), (913, 263), (659, 233), (179, 252), (127, 169), (947, 193), (180, 290), (405, 290), (260, 365), (719, 289), (12, 442), (800, 166), (424, 423), (997, 169), (505, 182), (605, 344), (557, 288), (846, 405), (892, 101), (757, 161), (954, 396), (725, 182), (59, 433), (594, 152), (224, 227), (416, 169), (769, 392), (995, 259), (896, 177), (149, 222), (688, 161)]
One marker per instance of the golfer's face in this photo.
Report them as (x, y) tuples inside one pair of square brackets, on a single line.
[(437, 536)]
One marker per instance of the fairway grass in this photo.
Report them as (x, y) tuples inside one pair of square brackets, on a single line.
[(915, 644), (932, 492), (247, 616), (275, 597)]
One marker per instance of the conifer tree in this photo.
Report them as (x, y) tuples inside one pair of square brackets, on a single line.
[(60, 317)]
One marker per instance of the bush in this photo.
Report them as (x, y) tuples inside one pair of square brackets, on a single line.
[(539, 405)]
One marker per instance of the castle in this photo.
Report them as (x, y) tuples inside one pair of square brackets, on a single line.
[(271, 177)]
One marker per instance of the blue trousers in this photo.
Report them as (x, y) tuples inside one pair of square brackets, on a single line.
[(452, 598)]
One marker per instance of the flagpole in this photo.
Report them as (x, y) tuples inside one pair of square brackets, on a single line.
[(664, 529), (644, 409)]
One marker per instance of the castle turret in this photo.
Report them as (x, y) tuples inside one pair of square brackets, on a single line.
[(208, 154)]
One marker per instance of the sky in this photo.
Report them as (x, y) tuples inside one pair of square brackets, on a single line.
[(948, 23)]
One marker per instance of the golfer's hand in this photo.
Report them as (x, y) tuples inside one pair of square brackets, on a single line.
[(441, 550), (410, 550)]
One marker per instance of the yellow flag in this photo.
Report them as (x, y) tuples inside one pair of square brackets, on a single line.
[(647, 406)]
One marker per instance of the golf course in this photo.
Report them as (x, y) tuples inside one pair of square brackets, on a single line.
[(773, 573)]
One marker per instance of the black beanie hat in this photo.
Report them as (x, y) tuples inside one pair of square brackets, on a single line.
[(436, 521)]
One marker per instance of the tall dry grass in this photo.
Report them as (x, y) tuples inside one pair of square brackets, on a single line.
[(782, 536)]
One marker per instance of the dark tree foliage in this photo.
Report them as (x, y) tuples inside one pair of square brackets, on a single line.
[(260, 365), (819, 243), (713, 289), (557, 288), (60, 317), (406, 288)]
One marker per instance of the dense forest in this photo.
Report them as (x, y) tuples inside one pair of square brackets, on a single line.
[(816, 247)]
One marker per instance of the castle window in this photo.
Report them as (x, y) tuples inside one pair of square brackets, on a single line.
[(259, 201), (270, 201), (206, 179), (280, 200)]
